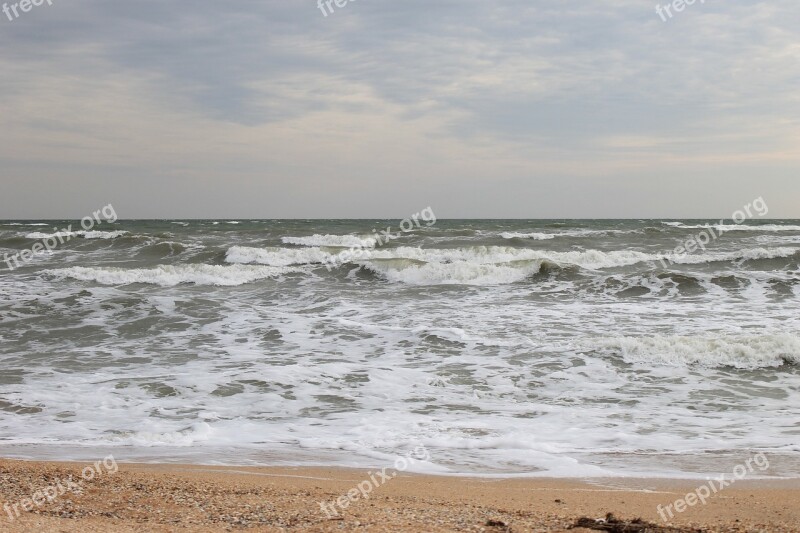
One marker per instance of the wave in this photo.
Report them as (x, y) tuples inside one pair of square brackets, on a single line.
[(483, 255), (534, 236), (83, 234), (277, 256), (171, 275), (460, 273), (723, 228), (776, 239), (334, 241), (743, 352), (480, 255), (13, 240), (24, 224), (748, 254), (567, 233), (164, 249)]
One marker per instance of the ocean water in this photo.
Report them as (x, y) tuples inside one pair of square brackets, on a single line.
[(551, 348)]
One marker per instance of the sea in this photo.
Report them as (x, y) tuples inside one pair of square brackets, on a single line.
[(553, 348)]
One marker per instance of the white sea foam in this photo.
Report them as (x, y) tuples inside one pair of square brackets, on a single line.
[(481, 265), (83, 234), (276, 256), (534, 236), (523, 375), (476, 255), (337, 241), (198, 433), (496, 266), (103, 234), (564, 233), (24, 224), (747, 352), (723, 228), (461, 272), (40, 235), (170, 275)]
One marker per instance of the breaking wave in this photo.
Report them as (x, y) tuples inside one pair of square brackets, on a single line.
[(722, 228), (461, 273), (743, 352), (83, 234), (333, 241), (490, 255), (565, 233), (171, 275), (276, 256), (534, 236)]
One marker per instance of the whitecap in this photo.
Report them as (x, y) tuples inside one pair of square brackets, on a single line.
[(171, 275), (83, 234), (342, 241), (744, 352)]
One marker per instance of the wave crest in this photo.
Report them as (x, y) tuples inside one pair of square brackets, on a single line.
[(743, 352), (171, 275), (723, 228), (333, 241), (478, 264), (83, 234), (459, 273)]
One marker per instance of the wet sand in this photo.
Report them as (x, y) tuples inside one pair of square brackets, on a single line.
[(141, 497)]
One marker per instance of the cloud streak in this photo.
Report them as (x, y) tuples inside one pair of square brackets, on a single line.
[(525, 109)]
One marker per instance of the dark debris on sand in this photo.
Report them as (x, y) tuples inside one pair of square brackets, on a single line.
[(615, 525)]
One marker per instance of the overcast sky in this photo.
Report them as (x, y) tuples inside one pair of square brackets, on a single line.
[(518, 109)]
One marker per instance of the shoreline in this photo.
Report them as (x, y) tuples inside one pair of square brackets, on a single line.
[(689, 465), (189, 497)]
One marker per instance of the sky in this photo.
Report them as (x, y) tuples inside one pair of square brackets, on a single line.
[(507, 109)]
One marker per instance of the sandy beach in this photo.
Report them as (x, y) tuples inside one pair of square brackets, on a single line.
[(143, 497), (410, 266)]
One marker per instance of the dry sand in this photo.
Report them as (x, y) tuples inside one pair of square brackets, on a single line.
[(199, 498)]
